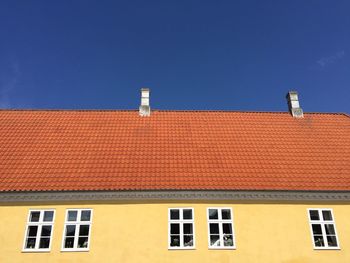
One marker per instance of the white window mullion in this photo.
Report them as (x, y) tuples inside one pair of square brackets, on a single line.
[(169, 231), (76, 236), (38, 234), (323, 227), (181, 227), (221, 234), (88, 237), (75, 243), (77, 226)]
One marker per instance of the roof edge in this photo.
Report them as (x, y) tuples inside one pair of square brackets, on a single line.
[(165, 110), (102, 196)]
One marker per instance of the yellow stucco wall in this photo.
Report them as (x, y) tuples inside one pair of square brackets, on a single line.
[(138, 232)]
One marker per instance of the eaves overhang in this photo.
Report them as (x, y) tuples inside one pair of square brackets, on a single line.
[(173, 195)]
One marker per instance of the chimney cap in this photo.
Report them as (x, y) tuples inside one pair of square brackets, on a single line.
[(293, 94)]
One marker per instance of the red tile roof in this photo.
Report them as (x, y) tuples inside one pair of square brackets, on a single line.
[(179, 150)]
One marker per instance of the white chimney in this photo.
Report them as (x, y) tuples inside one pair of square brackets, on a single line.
[(145, 109), (293, 104)]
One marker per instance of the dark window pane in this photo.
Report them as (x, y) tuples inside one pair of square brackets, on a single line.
[(213, 214), (70, 230), (83, 242), (316, 229), (174, 240), (30, 243), (34, 216), (214, 228), (314, 215), (45, 231), (85, 215), (48, 216), (174, 229), (44, 242), (32, 231), (327, 215), (319, 242), (228, 240), (84, 230), (214, 240), (188, 229), (332, 241), (69, 242), (188, 241), (227, 228), (174, 214), (330, 229), (187, 214), (72, 215), (226, 213)]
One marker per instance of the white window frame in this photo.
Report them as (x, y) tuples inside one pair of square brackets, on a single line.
[(40, 223), (181, 222), (77, 224), (322, 222), (221, 221)]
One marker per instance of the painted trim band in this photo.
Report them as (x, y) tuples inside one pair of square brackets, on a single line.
[(7, 197)]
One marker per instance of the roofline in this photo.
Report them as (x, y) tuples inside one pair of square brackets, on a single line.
[(173, 195), (162, 110), (346, 114)]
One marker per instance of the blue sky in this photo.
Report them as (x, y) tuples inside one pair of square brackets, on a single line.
[(229, 55)]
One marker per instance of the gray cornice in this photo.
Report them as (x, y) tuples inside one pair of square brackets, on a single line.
[(332, 196)]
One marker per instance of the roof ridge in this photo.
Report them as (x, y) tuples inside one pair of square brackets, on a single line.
[(165, 110), (67, 110)]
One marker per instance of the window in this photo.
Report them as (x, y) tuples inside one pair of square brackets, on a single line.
[(220, 225), (323, 230), (181, 228), (77, 228), (39, 230)]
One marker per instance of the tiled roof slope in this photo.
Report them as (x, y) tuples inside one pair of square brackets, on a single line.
[(178, 150)]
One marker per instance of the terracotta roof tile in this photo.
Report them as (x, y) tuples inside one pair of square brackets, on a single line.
[(213, 150)]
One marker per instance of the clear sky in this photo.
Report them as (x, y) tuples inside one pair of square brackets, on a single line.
[(229, 55)]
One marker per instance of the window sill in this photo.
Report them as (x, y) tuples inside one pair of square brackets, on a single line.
[(36, 250), (181, 248), (75, 250), (326, 248), (222, 248)]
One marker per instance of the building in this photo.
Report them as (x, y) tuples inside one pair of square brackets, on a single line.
[(174, 186)]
